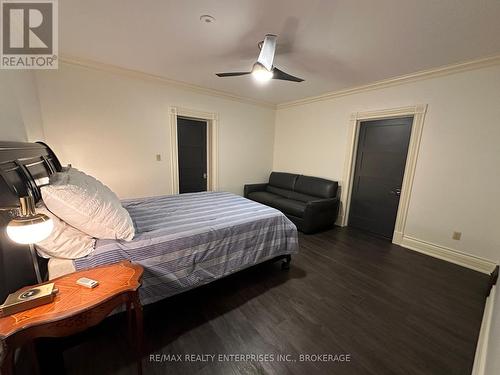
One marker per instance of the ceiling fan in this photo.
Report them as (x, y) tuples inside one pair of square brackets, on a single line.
[(263, 69)]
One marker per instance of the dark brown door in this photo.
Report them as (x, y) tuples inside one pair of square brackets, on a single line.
[(192, 155), (378, 174)]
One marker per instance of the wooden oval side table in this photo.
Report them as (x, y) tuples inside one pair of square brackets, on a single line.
[(76, 308)]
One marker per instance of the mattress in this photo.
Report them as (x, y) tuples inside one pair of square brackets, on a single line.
[(187, 240)]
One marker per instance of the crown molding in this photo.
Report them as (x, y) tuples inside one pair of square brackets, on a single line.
[(94, 65), (408, 78)]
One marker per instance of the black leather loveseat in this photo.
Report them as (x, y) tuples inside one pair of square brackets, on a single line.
[(310, 202)]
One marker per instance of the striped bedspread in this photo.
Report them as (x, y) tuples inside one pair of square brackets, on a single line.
[(187, 240)]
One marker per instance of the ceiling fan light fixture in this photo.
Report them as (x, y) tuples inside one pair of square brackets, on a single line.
[(260, 73), (264, 70)]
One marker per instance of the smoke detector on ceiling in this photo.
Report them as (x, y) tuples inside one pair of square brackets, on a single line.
[(207, 18)]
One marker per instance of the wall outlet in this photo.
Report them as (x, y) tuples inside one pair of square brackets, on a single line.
[(158, 157), (456, 236)]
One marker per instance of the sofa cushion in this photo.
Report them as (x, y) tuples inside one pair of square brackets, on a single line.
[(290, 206), (283, 180), (279, 191), (315, 186), (264, 197)]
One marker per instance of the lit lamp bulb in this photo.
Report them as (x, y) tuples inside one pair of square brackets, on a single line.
[(260, 73), (29, 227)]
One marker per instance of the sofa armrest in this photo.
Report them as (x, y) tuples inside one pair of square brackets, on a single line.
[(252, 188), (322, 204), (320, 214), (326, 209)]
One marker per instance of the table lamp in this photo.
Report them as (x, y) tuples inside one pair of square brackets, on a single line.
[(29, 228)]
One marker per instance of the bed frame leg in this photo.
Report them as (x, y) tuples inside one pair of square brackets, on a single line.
[(285, 265)]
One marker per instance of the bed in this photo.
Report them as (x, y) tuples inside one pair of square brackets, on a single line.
[(182, 241), (187, 240)]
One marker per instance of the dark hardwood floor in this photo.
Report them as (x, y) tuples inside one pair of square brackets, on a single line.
[(392, 310)]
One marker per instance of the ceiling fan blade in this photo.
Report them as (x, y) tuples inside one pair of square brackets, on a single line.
[(233, 74), (279, 74), (266, 56)]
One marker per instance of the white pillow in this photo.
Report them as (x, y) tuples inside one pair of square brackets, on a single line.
[(88, 205), (65, 241)]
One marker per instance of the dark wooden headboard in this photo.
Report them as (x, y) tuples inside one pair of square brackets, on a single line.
[(24, 167)]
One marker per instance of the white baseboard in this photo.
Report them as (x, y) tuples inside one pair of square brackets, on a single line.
[(441, 252), (445, 253), (397, 238), (340, 220), (479, 367)]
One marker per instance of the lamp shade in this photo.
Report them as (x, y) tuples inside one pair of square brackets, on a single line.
[(30, 230), (29, 227)]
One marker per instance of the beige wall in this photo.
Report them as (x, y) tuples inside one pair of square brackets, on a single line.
[(457, 180), (20, 117), (112, 126)]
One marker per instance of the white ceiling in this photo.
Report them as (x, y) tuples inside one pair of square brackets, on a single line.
[(332, 44)]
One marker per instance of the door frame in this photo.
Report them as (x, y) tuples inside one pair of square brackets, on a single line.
[(418, 112), (212, 120)]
